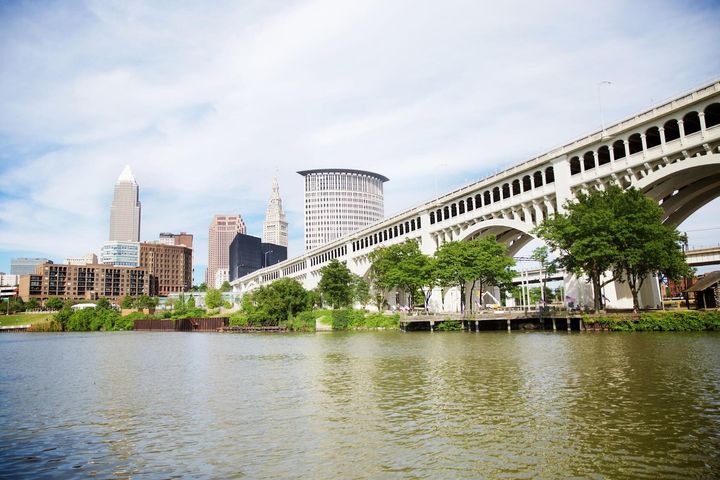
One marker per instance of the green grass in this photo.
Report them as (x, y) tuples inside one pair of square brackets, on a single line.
[(24, 319)]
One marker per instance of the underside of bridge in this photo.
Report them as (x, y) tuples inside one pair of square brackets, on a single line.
[(684, 187)]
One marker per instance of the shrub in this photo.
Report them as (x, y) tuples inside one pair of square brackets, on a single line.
[(682, 321), (449, 326)]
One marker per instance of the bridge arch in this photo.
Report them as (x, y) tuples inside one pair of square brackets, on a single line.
[(515, 234), (685, 186)]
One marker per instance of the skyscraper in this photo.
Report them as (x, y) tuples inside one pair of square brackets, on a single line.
[(275, 227), (221, 233), (125, 209), (339, 201)]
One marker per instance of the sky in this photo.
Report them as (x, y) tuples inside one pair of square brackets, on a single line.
[(207, 101)]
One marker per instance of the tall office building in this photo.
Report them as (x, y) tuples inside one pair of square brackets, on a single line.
[(339, 202), (275, 227), (125, 209), (169, 265), (121, 254), (26, 266), (221, 233)]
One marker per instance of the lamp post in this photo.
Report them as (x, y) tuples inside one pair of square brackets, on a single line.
[(265, 260)]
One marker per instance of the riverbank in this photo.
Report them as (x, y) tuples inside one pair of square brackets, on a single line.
[(659, 321)]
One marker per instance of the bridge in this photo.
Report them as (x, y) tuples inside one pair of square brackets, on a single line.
[(701, 257), (670, 152)]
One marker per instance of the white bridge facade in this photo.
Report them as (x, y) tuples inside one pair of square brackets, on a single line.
[(670, 152)]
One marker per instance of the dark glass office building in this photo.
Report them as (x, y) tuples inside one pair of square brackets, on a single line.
[(248, 253)]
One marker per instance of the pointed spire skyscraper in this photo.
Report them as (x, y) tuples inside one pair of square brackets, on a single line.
[(125, 209), (275, 227)]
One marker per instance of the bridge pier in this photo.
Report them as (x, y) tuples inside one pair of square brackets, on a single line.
[(508, 324), (477, 326), (432, 326), (569, 323), (554, 325)]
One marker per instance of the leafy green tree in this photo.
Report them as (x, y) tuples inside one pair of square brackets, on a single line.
[(144, 301), (203, 287), (31, 304), (361, 290), (336, 284), (405, 267), (226, 287), (481, 262), (277, 302), (190, 304), (618, 231), (54, 303), (213, 298), (126, 302), (103, 303)]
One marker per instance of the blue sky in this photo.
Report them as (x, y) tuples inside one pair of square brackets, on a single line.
[(208, 100)]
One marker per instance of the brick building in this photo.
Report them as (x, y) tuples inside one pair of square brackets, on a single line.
[(170, 265)]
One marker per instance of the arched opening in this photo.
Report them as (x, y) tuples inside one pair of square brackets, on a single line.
[(589, 161), (549, 175), (432, 218), (712, 115), (446, 213), (672, 130), (652, 137), (526, 183), (412, 225), (478, 201), (691, 123), (487, 200), (575, 166), (461, 207), (537, 178), (453, 210), (618, 149), (438, 215), (635, 144), (407, 227), (469, 203), (603, 155), (505, 190), (516, 187), (496, 194)]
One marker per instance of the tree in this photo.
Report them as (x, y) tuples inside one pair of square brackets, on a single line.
[(226, 287), (126, 302), (361, 290), (54, 303), (203, 287), (144, 301), (190, 304), (277, 302), (481, 262), (336, 284), (618, 231), (31, 304), (103, 304), (405, 267), (213, 298)]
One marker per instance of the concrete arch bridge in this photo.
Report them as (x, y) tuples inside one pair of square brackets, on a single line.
[(671, 152)]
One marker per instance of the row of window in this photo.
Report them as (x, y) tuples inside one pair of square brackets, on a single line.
[(387, 234)]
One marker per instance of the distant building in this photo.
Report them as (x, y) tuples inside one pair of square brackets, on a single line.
[(182, 238), (275, 227), (339, 202), (248, 253), (88, 259), (120, 253), (85, 282), (26, 266), (169, 265), (9, 280), (221, 276), (221, 233), (706, 291), (125, 209)]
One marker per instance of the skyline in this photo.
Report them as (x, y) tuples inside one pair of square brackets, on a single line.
[(211, 102)]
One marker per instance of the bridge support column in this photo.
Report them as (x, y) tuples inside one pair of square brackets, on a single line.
[(508, 324), (569, 323), (432, 326), (477, 326), (554, 325)]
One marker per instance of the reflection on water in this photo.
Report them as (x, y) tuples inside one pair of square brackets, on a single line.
[(362, 405)]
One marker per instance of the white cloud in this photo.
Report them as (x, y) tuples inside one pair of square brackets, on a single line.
[(208, 101)]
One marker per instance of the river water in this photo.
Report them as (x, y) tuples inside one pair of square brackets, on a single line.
[(360, 405)]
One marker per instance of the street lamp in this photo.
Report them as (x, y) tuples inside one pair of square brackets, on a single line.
[(265, 260)]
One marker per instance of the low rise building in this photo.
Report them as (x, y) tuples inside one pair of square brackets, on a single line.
[(85, 282), (9, 280), (121, 253), (88, 259), (170, 265), (182, 238), (26, 266)]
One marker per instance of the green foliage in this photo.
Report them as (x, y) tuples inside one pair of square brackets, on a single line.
[(213, 298), (126, 302), (614, 230), (144, 301), (226, 287), (483, 262), (227, 304), (92, 319), (449, 326), (678, 321), (302, 322), (54, 303), (361, 290), (190, 304), (349, 319), (275, 303), (31, 304), (336, 284), (103, 303), (405, 267)]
